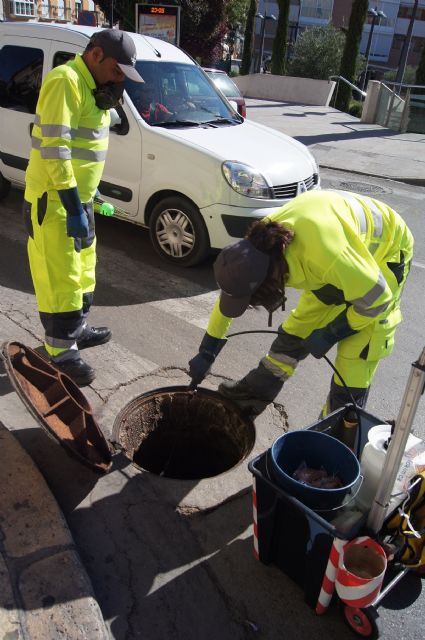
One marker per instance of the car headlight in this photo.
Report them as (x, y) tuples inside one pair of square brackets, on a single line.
[(246, 180)]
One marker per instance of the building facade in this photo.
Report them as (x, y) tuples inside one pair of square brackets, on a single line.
[(50, 10), (388, 34)]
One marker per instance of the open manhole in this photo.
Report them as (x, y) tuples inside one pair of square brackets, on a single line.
[(184, 434)]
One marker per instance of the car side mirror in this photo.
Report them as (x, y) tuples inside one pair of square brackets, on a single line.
[(115, 118), (119, 122)]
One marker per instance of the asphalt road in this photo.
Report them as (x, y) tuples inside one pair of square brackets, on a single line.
[(159, 575)]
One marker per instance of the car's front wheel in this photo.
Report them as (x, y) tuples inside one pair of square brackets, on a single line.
[(4, 187), (178, 232)]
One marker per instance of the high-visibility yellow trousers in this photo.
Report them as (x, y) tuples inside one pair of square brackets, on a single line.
[(62, 270)]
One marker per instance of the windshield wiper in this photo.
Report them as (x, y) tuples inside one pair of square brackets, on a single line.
[(222, 121), (175, 123)]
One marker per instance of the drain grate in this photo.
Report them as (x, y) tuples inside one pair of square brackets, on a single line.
[(363, 187), (184, 434)]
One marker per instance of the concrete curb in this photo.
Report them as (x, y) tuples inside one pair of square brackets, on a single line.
[(415, 182), (45, 592)]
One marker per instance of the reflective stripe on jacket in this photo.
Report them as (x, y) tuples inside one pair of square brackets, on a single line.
[(70, 133)]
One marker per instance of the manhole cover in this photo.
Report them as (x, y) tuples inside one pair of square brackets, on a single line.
[(363, 187), (184, 434)]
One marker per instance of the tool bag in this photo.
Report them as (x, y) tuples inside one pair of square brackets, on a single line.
[(406, 526)]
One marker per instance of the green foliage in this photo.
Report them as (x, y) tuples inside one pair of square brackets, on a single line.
[(355, 108), (203, 26), (248, 47), (408, 78), (351, 50), (317, 53), (279, 43), (236, 12), (420, 71)]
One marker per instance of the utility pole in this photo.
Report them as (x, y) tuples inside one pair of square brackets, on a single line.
[(406, 46)]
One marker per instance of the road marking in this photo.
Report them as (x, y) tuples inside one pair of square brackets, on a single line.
[(418, 264), (194, 309)]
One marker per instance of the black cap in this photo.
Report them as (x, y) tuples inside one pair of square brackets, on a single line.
[(120, 46), (239, 271)]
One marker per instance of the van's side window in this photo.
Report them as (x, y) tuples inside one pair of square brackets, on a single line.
[(61, 57), (21, 70)]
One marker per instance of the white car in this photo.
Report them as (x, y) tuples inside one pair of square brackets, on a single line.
[(188, 167)]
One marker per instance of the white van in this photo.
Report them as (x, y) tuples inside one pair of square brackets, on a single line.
[(196, 173)]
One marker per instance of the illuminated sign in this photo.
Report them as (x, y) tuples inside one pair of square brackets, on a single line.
[(159, 21)]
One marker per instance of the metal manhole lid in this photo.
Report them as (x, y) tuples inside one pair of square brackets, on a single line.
[(58, 405), (363, 187)]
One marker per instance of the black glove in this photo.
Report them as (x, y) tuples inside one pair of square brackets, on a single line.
[(321, 340), (200, 365), (77, 222)]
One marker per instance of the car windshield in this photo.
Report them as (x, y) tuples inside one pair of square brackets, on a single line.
[(176, 94), (223, 82)]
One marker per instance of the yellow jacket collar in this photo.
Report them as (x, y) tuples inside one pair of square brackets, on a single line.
[(83, 69)]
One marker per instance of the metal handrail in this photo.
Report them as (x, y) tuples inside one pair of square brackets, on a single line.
[(350, 84)]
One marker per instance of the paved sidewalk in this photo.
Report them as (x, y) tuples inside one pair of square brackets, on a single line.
[(340, 141), (45, 593)]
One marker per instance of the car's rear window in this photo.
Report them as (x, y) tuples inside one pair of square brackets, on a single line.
[(223, 82)]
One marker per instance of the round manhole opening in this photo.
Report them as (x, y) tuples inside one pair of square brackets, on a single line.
[(184, 434)]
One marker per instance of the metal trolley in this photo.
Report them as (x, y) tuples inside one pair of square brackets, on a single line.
[(315, 535)]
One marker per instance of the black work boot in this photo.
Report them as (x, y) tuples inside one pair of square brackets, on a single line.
[(79, 371), (92, 336), (241, 394)]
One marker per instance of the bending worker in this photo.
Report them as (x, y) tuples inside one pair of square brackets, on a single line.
[(350, 256), (69, 145)]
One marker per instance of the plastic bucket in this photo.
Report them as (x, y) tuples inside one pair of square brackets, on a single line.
[(317, 450), (361, 568)]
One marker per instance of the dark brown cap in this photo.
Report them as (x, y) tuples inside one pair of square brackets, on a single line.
[(239, 270), (120, 46)]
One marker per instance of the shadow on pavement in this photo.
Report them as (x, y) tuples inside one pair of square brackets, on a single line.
[(351, 135)]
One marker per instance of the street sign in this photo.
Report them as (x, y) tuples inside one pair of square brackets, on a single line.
[(159, 21), (87, 18)]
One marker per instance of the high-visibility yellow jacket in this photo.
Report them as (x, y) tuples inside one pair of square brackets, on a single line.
[(342, 245), (70, 133)]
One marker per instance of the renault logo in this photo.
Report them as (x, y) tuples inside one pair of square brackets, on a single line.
[(301, 187)]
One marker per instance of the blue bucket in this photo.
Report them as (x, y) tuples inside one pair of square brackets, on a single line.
[(317, 450)]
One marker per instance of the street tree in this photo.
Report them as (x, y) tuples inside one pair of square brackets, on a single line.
[(203, 27), (349, 59), (248, 48), (236, 12), (280, 41), (317, 53), (420, 71)]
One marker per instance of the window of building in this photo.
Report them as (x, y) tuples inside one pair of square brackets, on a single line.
[(22, 8), (77, 8), (398, 41), (45, 9), (21, 70), (405, 12), (417, 44), (61, 10)]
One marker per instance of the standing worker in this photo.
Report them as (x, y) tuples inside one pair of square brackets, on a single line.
[(350, 256), (69, 145)]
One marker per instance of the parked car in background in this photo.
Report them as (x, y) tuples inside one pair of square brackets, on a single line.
[(228, 88)]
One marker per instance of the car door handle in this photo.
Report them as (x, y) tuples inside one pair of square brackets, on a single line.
[(31, 126)]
